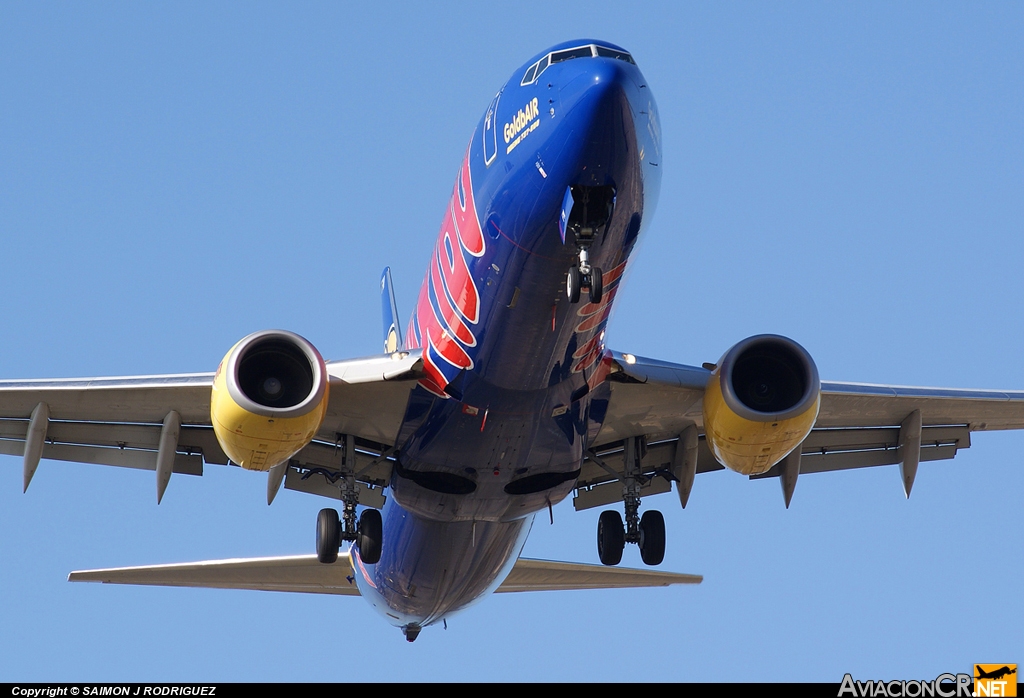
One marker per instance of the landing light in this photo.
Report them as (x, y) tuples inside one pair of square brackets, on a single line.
[(629, 358)]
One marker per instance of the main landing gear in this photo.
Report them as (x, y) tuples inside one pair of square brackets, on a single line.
[(648, 532), (367, 535)]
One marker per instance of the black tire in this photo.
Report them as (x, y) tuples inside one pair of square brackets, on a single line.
[(596, 285), (652, 537), (573, 284), (328, 536), (371, 530), (611, 538)]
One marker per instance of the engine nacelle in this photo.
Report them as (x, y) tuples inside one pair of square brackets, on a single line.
[(760, 403), (269, 398)]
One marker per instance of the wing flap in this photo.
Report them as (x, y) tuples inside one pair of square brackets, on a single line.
[(184, 464), (824, 450), (122, 445), (297, 573), (549, 575)]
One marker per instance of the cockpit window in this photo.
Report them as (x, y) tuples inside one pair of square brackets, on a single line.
[(534, 71), (612, 53), (569, 54), (591, 51)]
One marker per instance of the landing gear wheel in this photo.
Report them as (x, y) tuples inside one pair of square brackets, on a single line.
[(611, 538), (652, 537), (573, 284), (596, 285), (328, 536), (370, 536)]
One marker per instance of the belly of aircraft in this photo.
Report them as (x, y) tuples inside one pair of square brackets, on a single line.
[(435, 569)]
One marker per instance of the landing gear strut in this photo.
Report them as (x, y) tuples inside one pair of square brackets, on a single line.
[(647, 532), (332, 530)]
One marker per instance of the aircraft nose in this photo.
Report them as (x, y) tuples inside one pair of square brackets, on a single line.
[(598, 82), (599, 119)]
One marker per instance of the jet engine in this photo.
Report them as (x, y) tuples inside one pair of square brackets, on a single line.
[(269, 397), (760, 403)]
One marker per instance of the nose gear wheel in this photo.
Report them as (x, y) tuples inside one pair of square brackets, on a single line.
[(575, 280)]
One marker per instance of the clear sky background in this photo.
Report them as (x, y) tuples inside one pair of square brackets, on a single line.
[(175, 176)]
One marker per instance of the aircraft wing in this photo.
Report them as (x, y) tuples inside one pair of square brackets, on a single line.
[(118, 421), (304, 573), (858, 424)]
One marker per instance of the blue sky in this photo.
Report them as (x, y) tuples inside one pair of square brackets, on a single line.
[(173, 177)]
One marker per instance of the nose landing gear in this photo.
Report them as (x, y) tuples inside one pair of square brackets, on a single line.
[(582, 274), (586, 211)]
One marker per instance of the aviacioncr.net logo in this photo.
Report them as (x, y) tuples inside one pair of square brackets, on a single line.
[(943, 686), (995, 680)]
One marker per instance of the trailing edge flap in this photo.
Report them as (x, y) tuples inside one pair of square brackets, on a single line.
[(304, 573)]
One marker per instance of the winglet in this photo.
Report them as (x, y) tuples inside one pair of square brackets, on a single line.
[(389, 310)]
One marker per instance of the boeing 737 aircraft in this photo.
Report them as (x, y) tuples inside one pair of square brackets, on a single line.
[(500, 398)]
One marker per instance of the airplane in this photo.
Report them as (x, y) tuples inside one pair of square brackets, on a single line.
[(501, 397), (996, 673)]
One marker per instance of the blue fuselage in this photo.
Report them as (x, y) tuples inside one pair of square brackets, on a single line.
[(515, 385)]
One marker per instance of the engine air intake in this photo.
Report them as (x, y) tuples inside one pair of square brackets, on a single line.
[(269, 398), (275, 373), (761, 402), (770, 377)]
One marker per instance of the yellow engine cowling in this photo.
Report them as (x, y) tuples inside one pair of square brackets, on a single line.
[(760, 403), (269, 398)]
